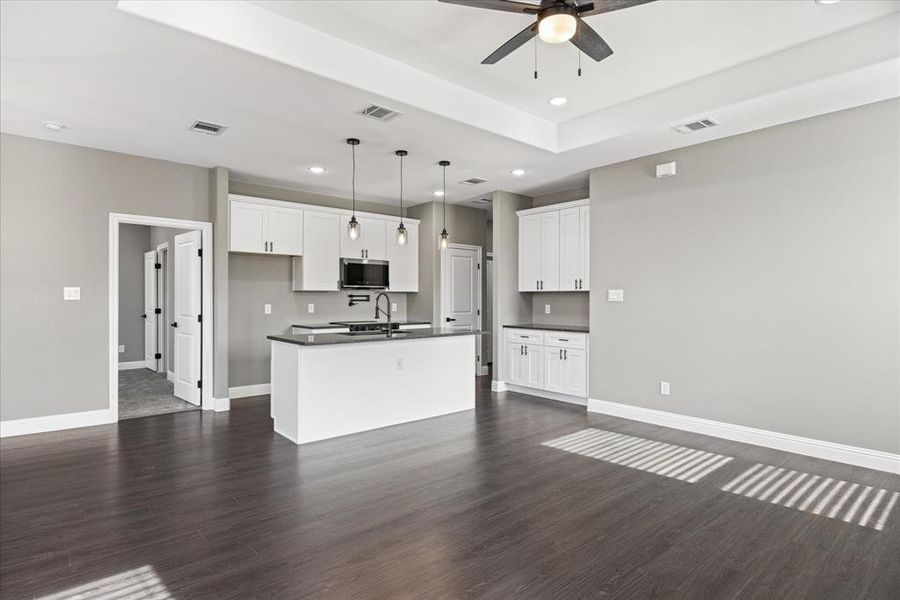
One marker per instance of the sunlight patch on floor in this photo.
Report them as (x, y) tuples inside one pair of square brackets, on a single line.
[(137, 584), (669, 460)]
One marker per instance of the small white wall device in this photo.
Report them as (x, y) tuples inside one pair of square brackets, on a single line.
[(665, 170)]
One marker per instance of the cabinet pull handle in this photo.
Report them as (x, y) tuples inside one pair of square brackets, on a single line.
[(521, 349), (560, 354), (563, 339), (271, 246), (526, 350), (565, 355)]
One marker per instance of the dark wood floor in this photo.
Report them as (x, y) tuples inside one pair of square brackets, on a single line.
[(469, 505)]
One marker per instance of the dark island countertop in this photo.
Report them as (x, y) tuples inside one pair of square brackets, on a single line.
[(327, 339), (566, 328), (341, 326)]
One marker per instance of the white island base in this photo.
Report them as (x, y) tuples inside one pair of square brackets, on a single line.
[(325, 391)]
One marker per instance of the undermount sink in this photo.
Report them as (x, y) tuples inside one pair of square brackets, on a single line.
[(373, 334)]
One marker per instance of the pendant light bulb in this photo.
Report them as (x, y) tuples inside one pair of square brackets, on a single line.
[(445, 237), (353, 226), (401, 229)]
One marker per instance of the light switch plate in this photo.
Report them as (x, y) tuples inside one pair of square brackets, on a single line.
[(267, 308), (393, 306), (310, 308), (546, 309), (664, 388), (71, 293), (121, 348), (615, 295)]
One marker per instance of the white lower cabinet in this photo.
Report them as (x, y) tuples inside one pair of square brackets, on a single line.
[(554, 361)]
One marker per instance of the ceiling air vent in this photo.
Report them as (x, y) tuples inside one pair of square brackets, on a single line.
[(208, 128), (473, 181), (379, 113), (481, 201), (695, 125)]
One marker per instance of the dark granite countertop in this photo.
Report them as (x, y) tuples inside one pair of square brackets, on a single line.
[(567, 328), (337, 326), (326, 339)]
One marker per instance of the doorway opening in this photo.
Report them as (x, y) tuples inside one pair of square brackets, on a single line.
[(160, 289)]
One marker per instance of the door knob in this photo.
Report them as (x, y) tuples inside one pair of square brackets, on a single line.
[(143, 316), (449, 319), (174, 323)]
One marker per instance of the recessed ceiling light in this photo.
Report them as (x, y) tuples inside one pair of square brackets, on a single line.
[(518, 172), (558, 101), (317, 170), (438, 193), (54, 126)]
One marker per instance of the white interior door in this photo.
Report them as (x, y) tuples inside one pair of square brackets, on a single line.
[(489, 312), (461, 290), (150, 304), (186, 325)]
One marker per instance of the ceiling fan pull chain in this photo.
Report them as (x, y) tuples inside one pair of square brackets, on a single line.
[(579, 62), (535, 57)]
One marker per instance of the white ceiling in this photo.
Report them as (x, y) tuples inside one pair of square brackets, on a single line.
[(288, 79)]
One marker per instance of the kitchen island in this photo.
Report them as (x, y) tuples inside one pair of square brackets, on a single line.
[(333, 384)]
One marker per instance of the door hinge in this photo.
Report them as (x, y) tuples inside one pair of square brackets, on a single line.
[(199, 384), (478, 312), (199, 318), (199, 251), (157, 266), (479, 266), (157, 311), (157, 356)]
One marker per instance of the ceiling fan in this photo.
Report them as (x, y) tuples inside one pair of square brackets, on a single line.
[(558, 21)]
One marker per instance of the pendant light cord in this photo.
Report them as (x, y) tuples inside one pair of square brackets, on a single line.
[(445, 195), (353, 175), (401, 189)]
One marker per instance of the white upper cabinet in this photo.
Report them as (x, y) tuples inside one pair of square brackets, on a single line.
[(319, 269), (370, 243), (554, 248), (403, 260), (262, 228)]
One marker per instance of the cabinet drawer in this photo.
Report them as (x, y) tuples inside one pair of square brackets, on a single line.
[(561, 339), (525, 336)]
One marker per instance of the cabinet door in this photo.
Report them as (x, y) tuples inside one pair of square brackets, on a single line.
[(285, 230), (529, 252), (374, 238), (570, 250), (515, 362), (554, 370), (321, 251), (403, 260), (534, 367), (249, 224), (549, 251), (585, 238), (575, 366)]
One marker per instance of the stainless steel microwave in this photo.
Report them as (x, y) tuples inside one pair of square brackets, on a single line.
[(364, 274)]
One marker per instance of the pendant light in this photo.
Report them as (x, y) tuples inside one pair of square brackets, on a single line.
[(353, 225), (445, 237), (401, 229)]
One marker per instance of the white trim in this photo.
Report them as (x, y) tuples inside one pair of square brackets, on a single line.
[(852, 455), (206, 233), (163, 318), (498, 386), (56, 422), (553, 207), (131, 364), (245, 391), (221, 404), (547, 394), (316, 208), (170, 376)]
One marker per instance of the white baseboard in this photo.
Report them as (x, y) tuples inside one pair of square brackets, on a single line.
[(498, 386), (852, 455), (221, 404), (56, 422), (546, 394), (132, 364), (245, 391), (170, 376)]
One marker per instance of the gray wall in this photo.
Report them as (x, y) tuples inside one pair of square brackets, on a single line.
[(558, 197), (219, 211), (510, 306), (259, 280), (566, 308), (763, 281), (68, 192), (134, 240)]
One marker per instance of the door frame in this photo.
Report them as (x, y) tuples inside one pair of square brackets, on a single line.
[(163, 325), (206, 236), (478, 366)]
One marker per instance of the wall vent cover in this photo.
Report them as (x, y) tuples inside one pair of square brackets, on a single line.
[(473, 181), (208, 128), (696, 125), (481, 201), (379, 113)]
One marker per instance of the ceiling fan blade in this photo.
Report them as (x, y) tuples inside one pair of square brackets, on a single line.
[(597, 7), (513, 43), (504, 5), (589, 41)]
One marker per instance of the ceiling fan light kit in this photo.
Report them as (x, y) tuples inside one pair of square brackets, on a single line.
[(557, 24)]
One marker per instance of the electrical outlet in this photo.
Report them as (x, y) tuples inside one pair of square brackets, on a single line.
[(310, 308), (71, 293), (267, 308), (664, 388), (121, 348), (393, 307), (546, 309), (399, 363), (615, 295)]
